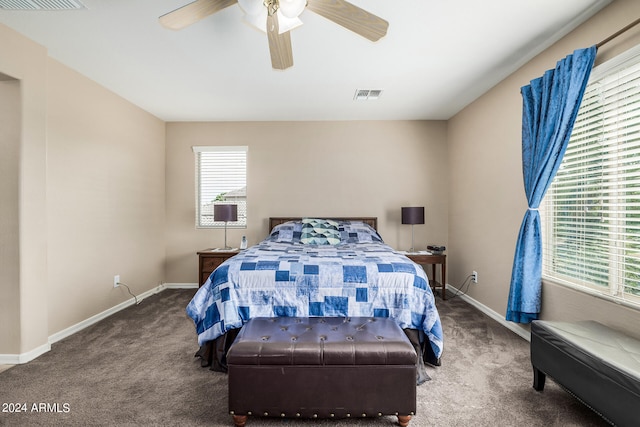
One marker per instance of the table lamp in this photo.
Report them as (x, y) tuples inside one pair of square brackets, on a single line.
[(225, 213), (412, 215)]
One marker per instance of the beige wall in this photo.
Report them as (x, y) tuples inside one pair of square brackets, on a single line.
[(105, 198), (85, 198), (312, 169), (24, 60), (486, 197), (9, 214)]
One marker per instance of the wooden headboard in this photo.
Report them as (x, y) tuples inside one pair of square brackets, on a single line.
[(372, 221)]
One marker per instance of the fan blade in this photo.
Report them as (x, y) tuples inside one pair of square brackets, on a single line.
[(351, 17), (193, 12), (279, 45)]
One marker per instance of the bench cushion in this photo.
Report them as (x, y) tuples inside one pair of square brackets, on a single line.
[(599, 365), (321, 341)]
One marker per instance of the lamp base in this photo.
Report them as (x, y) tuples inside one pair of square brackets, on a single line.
[(412, 246), (226, 247)]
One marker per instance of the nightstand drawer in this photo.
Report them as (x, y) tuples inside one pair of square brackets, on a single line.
[(211, 259), (210, 264)]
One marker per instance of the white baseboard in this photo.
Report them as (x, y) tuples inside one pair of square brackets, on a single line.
[(180, 285), (16, 359), (98, 317), (494, 315)]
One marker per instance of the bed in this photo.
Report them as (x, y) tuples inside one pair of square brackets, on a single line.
[(308, 267)]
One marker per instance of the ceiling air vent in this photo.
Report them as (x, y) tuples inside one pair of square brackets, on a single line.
[(367, 94), (41, 5)]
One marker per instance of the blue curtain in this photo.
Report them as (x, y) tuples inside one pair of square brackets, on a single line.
[(549, 110)]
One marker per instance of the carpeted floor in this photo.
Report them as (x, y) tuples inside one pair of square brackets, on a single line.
[(137, 368)]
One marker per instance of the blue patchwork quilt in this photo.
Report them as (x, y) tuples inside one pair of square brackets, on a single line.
[(360, 276)]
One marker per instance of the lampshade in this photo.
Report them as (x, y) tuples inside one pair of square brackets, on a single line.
[(225, 213), (413, 215)]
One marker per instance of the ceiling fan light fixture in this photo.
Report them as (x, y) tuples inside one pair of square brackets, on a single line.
[(277, 18), (256, 12), (292, 8)]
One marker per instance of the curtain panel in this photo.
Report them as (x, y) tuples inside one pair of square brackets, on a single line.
[(549, 109)]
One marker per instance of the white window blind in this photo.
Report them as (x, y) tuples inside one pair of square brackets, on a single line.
[(221, 178), (591, 213)]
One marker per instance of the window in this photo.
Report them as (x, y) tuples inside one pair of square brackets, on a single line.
[(591, 213), (221, 177)]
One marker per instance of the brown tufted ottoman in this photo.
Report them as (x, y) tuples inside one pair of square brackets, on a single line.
[(322, 367)]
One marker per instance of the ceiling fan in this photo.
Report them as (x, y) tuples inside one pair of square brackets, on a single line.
[(278, 17)]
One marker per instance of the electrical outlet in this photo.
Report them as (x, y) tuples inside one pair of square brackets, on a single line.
[(474, 276), (116, 280)]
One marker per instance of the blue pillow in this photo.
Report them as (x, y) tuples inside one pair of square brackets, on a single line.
[(288, 232), (358, 232)]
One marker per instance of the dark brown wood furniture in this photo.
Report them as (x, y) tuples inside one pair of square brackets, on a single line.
[(210, 259), (424, 259)]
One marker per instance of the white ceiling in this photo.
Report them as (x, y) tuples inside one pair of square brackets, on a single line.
[(437, 57)]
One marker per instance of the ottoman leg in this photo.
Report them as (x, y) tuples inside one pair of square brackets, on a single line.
[(239, 420), (403, 420), (538, 379)]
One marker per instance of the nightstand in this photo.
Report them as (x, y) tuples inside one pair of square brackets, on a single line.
[(210, 259), (434, 260)]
